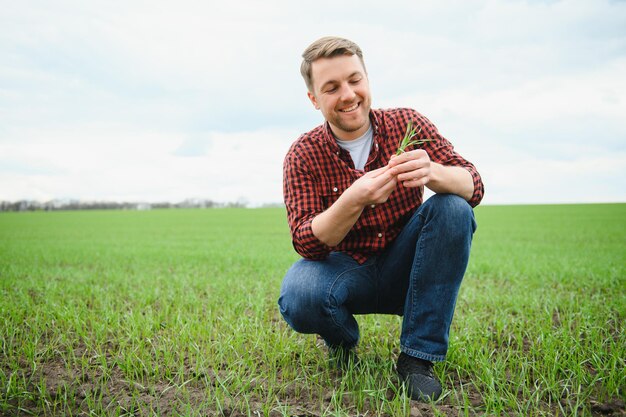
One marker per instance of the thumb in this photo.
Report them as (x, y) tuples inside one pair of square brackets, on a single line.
[(376, 172), (392, 161)]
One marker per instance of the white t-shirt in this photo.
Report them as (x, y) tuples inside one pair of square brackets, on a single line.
[(359, 148)]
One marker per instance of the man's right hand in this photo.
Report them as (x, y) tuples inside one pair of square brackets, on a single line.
[(374, 187)]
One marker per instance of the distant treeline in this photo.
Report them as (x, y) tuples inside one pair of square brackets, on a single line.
[(32, 205)]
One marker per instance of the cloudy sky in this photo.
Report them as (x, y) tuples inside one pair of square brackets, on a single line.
[(163, 101)]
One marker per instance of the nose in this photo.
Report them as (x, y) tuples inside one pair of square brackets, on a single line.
[(347, 93)]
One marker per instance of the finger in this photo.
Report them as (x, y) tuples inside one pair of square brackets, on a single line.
[(411, 166), (407, 156), (415, 182), (408, 166), (376, 172), (396, 160), (390, 184), (413, 175), (386, 190), (382, 179)]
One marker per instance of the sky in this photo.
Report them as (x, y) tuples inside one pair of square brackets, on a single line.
[(157, 101)]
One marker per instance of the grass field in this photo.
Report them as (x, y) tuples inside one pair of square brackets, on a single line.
[(174, 313)]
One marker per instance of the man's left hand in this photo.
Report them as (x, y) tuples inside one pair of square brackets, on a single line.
[(413, 168)]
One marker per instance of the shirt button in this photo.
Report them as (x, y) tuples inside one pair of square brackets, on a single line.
[(335, 189), (380, 235), (372, 206)]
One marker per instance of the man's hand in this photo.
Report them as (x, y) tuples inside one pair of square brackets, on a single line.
[(374, 187), (412, 169)]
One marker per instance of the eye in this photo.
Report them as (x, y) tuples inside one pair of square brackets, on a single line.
[(355, 81), (331, 90)]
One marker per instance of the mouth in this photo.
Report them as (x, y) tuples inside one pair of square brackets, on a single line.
[(351, 108)]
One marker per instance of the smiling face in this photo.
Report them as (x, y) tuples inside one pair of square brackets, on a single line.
[(341, 92)]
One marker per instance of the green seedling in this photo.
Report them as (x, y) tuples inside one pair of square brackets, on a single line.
[(408, 140), (97, 314)]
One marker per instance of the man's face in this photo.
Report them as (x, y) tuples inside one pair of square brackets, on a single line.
[(341, 92)]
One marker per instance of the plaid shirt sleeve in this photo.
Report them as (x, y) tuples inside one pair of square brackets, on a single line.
[(441, 151), (303, 203)]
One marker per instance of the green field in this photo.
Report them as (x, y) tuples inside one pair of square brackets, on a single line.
[(173, 312)]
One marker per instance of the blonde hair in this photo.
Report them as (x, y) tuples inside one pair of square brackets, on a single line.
[(326, 47)]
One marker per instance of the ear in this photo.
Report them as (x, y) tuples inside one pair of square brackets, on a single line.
[(313, 99)]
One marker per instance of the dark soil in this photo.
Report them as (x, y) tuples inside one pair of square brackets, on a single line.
[(116, 395)]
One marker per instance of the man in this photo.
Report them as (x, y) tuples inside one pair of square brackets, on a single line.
[(355, 211)]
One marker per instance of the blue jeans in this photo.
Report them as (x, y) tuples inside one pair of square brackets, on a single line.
[(418, 277)]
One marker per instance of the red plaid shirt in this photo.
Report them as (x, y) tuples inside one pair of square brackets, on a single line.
[(316, 171)]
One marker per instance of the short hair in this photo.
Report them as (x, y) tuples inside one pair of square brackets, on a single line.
[(327, 47)]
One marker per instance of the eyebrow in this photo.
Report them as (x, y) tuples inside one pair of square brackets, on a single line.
[(335, 81)]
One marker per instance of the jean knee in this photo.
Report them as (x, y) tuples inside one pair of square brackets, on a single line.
[(455, 211), (300, 302)]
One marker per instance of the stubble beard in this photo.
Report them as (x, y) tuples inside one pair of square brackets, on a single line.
[(351, 126), (348, 127)]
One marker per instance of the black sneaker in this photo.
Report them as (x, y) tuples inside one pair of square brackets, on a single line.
[(419, 378), (342, 358)]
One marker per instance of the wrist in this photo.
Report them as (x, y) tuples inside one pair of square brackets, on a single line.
[(451, 179), (436, 173), (351, 198)]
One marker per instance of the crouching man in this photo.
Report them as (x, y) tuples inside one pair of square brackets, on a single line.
[(357, 217)]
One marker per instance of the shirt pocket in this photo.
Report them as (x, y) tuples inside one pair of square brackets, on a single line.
[(330, 190)]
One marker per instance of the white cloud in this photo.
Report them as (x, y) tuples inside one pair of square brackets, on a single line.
[(115, 164), (156, 101)]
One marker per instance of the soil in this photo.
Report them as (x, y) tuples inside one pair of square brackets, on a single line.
[(113, 393)]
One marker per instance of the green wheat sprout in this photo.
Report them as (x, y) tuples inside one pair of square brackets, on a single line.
[(408, 140)]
